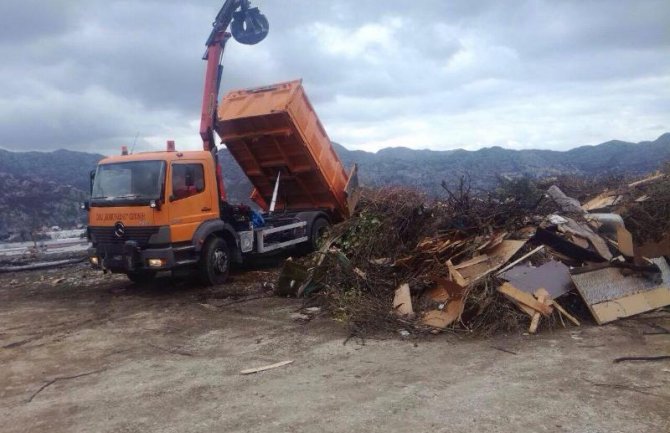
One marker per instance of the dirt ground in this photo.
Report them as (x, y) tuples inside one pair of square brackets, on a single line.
[(83, 352)]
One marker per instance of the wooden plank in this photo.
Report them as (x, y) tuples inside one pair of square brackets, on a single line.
[(472, 261), (265, 367), (542, 296), (524, 298), (625, 241), (456, 276)]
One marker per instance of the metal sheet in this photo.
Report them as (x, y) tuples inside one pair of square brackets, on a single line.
[(553, 276), (609, 283)]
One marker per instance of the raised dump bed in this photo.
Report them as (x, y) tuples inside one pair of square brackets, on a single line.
[(274, 129)]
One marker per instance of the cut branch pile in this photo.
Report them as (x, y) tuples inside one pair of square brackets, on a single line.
[(517, 258)]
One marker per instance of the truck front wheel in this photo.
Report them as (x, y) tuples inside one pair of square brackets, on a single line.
[(215, 262)]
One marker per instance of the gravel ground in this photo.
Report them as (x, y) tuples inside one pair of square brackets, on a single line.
[(86, 352)]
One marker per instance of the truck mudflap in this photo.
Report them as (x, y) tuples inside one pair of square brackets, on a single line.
[(130, 258)]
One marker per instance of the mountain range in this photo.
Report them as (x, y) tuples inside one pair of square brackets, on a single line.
[(44, 188)]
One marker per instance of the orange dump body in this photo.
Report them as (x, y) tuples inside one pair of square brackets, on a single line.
[(274, 129)]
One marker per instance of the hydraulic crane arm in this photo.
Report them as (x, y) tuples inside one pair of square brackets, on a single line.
[(248, 26)]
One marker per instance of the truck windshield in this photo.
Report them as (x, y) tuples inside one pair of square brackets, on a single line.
[(135, 181)]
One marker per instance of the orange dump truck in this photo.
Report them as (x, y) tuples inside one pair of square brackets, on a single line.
[(160, 211)]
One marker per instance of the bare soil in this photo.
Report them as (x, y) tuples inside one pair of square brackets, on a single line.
[(86, 352)]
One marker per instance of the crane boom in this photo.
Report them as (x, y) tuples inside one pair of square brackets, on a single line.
[(248, 26)]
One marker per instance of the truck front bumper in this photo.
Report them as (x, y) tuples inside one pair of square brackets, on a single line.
[(128, 257)]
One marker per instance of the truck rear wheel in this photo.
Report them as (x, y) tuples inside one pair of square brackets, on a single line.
[(319, 227), (214, 263), (141, 277)]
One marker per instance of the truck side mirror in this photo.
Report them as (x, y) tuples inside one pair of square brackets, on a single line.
[(85, 205), (91, 175)]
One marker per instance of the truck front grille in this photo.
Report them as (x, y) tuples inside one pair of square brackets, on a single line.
[(108, 236)]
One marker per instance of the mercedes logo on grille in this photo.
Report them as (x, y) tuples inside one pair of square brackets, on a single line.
[(119, 229)]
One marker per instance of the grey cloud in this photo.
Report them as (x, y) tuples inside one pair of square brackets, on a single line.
[(89, 74)]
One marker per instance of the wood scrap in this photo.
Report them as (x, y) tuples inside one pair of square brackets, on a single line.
[(542, 296), (456, 276), (497, 257), (473, 261), (444, 290), (646, 180), (265, 367), (443, 318), (402, 301), (625, 242), (524, 298)]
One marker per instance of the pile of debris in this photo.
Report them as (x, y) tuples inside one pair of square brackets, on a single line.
[(516, 259)]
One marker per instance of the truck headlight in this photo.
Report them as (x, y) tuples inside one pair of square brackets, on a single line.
[(156, 263), (94, 261)]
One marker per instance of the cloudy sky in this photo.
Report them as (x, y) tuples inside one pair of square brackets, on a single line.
[(439, 74)]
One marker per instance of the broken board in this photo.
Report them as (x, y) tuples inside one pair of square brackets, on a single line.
[(610, 295), (496, 257)]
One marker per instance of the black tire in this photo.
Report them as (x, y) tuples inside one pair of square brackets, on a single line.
[(319, 227), (141, 277), (214, 264)]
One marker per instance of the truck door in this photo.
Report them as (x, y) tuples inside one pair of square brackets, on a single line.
[(190, 200)]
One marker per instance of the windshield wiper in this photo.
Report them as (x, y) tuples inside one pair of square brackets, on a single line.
[(99, 197), (128, 196)]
